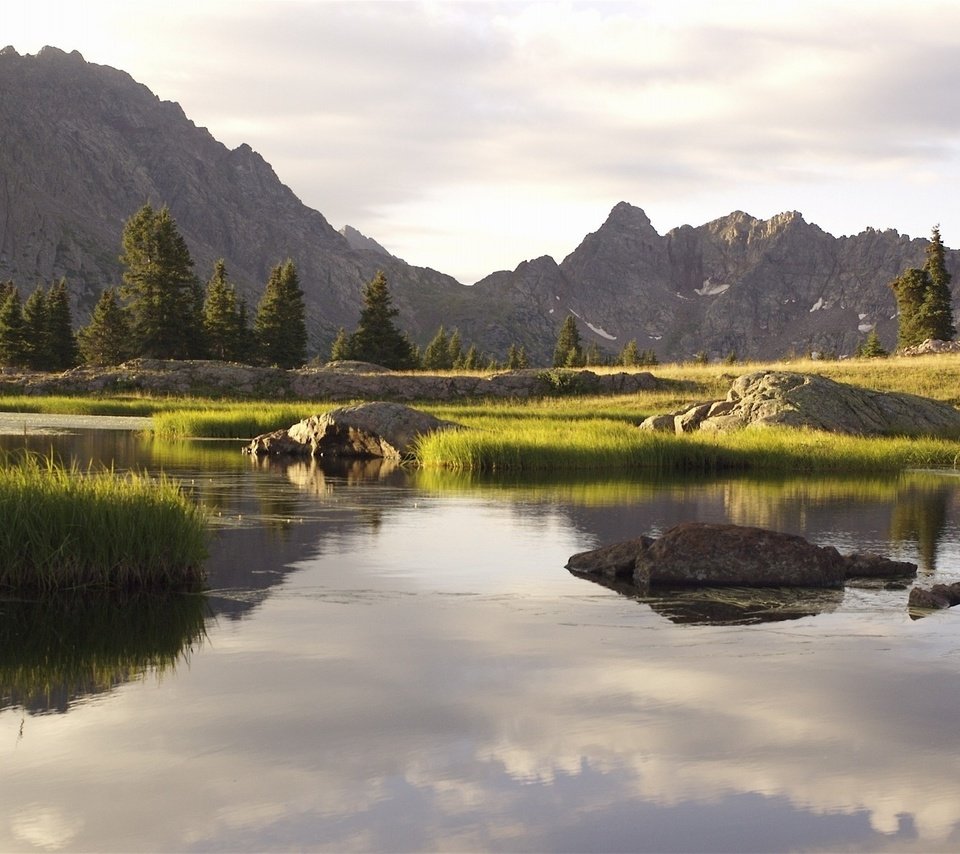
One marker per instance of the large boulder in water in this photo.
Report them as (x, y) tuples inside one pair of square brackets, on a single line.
[(706, 555), (378, 429), (785, 398)]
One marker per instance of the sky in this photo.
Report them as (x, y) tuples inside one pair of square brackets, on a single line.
[(471, 136)]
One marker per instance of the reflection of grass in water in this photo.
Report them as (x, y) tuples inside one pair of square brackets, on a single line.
[(741, 606), (52, 651), (63, 528)]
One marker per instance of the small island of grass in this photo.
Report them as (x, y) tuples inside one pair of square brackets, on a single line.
[(66, 530)]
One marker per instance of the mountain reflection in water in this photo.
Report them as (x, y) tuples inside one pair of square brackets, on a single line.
[(390, 660)]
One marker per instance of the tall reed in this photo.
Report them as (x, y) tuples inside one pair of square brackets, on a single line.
[(64, 528)]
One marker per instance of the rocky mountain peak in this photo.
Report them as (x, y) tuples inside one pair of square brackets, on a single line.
[(362, 243)]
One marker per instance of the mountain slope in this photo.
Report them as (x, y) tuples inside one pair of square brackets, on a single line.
[(84, 146)]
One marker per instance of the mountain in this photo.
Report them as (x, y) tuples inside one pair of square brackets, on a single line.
[(85, 146)]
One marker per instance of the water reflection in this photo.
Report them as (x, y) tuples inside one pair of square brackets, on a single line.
[(727, 606), (397, 660), (54, 652)]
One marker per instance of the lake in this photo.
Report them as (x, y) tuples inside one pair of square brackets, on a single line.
[(394, 660)]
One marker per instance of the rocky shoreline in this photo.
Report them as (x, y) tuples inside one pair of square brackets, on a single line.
[(340, 381)]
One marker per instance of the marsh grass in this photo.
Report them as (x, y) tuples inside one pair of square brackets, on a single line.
[(68, 529), (236, 421), (547, 444)]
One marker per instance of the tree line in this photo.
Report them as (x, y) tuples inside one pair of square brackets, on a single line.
[(162, 311)]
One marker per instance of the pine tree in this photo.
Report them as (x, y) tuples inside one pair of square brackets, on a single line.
[(630, 355), (936, 311), (569, 352), (437, 355), (455, 355), (513, 358), (13, 338), (377, 338), (340, 351), (63, 341), (910, 289), (36, 330), (106, 339), (160, 286), (872, 348), (471, 359), (924, 302), (221, 317), (280, 325)]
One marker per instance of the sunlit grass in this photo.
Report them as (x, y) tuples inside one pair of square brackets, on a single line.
[(238, 421), (66, 529), (544, 444)]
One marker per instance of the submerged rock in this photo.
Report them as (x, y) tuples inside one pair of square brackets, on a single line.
[(934, 598), (378, 429), (784, 398), (705, 555)]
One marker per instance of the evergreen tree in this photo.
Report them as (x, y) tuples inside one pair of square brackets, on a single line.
[(280, 325), (568, 352), (872, 348), (522, 360), (13, 336), (63, 341), (513, 357), (471, 359), (106, 339), (159, 283), (437, 355), (377, 338), (221, 317), (246, 340), (910, 289), (936, 312), (340, 351), (36, 330), (455, 357), (630, 355), (924, 302)]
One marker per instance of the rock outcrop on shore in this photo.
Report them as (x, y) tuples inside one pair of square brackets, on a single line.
[(785, 398), (696, 554), (337, 381), (378, 429)]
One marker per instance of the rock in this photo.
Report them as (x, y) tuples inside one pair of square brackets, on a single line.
[(616, 561), (699, 554), (334, 381), (867, 565), (935, 598), (378, 429), (785, 398)]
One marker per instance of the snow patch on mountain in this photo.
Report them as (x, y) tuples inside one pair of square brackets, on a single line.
[(711, 288), (601, 332)]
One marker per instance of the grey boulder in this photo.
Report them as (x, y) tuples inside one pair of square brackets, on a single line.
[(378, 429)]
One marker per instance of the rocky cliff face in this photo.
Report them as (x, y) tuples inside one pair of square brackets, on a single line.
[(756, 288), (84, 146)]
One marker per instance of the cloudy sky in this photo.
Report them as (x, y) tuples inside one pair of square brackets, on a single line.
[(469, 137)]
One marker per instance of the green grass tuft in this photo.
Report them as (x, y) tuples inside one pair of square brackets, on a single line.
[(67, 529)]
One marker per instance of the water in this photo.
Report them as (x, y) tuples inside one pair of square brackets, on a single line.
[(393, 661)]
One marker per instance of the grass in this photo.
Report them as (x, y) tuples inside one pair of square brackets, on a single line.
[(543, 444), (597, 433), (67, 529)]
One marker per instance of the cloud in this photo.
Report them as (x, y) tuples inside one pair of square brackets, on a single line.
[(398, 117)]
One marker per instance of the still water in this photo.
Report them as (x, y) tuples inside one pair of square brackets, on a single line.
[(394, 661)]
